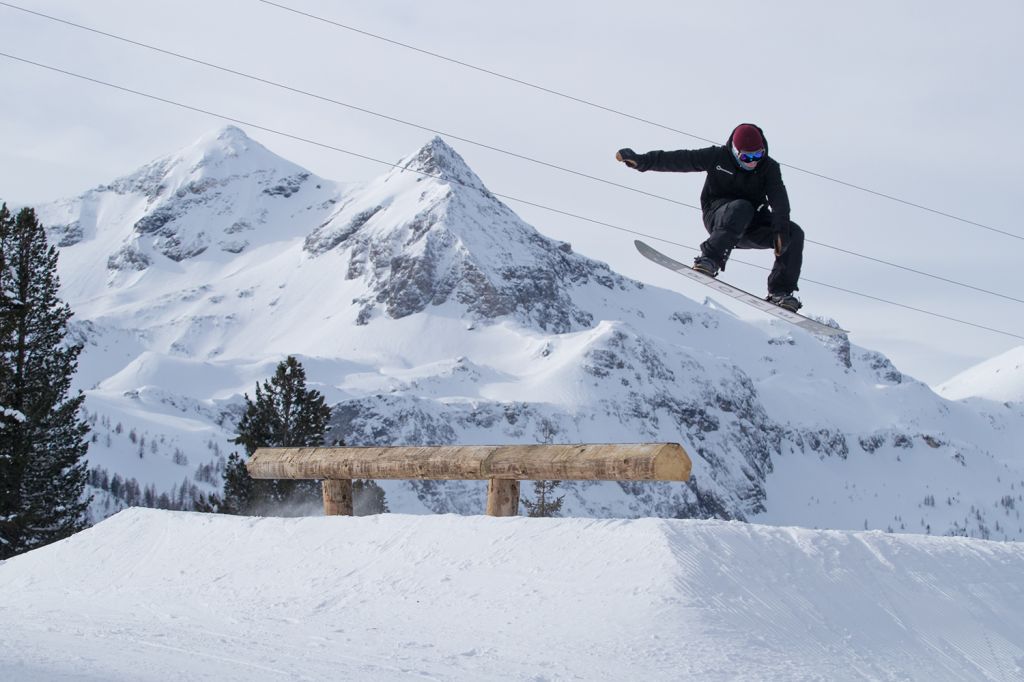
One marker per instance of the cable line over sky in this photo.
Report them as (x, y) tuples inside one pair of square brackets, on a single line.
[(618, 112), (496, 194), (449, 135), (329, 100)]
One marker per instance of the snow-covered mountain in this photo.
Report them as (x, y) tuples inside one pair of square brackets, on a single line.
[(217, 195), (1000, 378), (427, 312)]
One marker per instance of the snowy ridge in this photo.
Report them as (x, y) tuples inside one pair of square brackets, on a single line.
[(1001, 379), (427, 312), (148, 595)]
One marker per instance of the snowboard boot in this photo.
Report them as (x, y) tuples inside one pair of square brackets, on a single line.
[(787, 301), (706, 266)]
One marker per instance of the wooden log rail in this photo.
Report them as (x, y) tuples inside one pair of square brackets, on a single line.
[(503, 466)]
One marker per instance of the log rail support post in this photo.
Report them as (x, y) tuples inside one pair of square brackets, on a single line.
[(337, 497), (503, 466), (502, 497)]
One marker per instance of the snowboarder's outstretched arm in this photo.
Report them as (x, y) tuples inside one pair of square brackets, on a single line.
[(679, 161)]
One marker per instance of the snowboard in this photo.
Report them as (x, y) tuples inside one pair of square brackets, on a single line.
[(761, 304)]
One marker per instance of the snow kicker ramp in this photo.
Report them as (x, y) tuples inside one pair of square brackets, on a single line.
[(150, 595)]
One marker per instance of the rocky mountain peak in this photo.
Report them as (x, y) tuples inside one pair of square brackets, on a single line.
[(232, 138), (221, 153), (227, 151), (419, 242), (439, 160), (225, 192)]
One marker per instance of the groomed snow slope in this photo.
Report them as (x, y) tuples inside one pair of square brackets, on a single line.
[(150, 595)]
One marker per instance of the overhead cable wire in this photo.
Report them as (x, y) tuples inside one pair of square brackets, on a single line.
[(618, 112), (483, 145), (507, 197), (330, 100), (916, 272)]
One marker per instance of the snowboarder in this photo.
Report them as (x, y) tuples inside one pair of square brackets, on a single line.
[(744, 202)]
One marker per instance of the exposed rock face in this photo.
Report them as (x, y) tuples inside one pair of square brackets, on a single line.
[(67, 235), (128, 257)]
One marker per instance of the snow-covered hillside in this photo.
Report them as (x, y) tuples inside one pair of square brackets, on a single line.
[(427, 312), (1000, 378), (152, 595)]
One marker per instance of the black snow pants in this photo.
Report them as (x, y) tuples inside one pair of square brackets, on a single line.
[(737, 224)]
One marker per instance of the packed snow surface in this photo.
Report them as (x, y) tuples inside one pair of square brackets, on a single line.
[(154, 595)]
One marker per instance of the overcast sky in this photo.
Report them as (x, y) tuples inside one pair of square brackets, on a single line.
[(918, 99)]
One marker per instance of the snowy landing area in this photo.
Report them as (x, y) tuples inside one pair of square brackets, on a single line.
[(153, 595)]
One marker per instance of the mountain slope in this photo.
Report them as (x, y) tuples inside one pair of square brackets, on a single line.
[(1000, 378), (427, 312)]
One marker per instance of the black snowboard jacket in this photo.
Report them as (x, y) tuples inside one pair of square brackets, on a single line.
[(726, 180)]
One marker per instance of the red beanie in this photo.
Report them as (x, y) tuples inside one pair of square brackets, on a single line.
[(747, 138)]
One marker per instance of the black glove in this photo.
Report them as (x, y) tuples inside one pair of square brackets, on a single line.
[(628, 157)]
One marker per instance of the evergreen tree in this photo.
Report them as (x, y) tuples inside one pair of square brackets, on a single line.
[(544, 503), (238, 486), (43, 437), (283, 414), (368, 498)]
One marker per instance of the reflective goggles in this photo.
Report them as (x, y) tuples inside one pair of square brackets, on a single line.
[(750, 157)]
